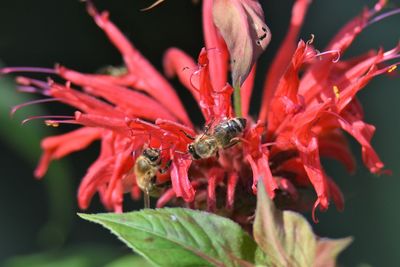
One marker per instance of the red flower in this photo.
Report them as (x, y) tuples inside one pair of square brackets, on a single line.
[(309, 100)]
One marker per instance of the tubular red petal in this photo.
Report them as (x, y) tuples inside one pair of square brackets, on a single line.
[(214, 176), (284, 55), (176, 62), (336, 194), (121, 164), (256, 172), (233, 179), (286, 100), (268, 180), (335, 146), (217, 47), (222, 102), (91, 120), (131, 102), (165, 198), (180, 180), (97, 175), (56, 147), (142, 68), (310, 158), (83, 101), (206, 89), (246, 91), (363, 133)]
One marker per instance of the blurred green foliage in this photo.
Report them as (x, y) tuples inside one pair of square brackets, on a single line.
[(82, 256), (25, 141)]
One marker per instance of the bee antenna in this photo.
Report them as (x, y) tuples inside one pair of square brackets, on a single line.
[(187, 135), (208, 127)]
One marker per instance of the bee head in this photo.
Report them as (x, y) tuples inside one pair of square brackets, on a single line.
[(192, 151), (153, 154)]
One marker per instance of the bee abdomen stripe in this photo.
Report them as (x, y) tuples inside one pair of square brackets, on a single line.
[(238, 124)]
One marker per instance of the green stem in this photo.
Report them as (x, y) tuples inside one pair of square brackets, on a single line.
[(237, 101)]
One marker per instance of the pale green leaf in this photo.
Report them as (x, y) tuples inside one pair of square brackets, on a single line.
[(286, 237), (180, 237), (328, 250)]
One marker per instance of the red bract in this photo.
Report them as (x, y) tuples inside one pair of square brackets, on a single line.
[(309, 101)]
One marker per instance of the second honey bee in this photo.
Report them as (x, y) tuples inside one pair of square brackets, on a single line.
[(222, 136), (146, 167)]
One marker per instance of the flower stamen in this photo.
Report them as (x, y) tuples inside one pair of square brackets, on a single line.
[(46, 117), (27, 69), (34, 102), (383, 16), (335, 60)]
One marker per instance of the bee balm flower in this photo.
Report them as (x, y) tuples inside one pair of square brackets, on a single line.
[(309, 102)]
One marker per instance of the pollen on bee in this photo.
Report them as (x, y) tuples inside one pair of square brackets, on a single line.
[(392, 68), (336, 91)]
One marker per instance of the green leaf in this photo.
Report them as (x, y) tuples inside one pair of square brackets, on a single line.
[(286, 237), (261, 259), (180, 237), (130, 261), (328, 250)]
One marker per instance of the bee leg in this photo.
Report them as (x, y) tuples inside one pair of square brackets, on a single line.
[(146, 196), (217, 154), (165, 169), (236, 140), (187, 135)]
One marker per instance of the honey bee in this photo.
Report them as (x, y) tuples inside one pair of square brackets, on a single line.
[(146, 167), (222, 136)]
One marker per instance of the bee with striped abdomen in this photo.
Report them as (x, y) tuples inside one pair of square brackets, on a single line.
[(146, 167), (222, 136)]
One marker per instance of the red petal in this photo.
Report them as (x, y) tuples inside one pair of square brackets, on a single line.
[(214, 176), (286, 100), (98, 174), (363, 133), (56, 147), (284, 55), (246, 91), (216, 47), (131, 102), (233, 179), (165, 198), (177, 62), (180, 180), (142, 68), (334, 145), (310, 157), (336, 194)]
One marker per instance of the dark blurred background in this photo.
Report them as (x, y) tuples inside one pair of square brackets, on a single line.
[(38, 217)]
